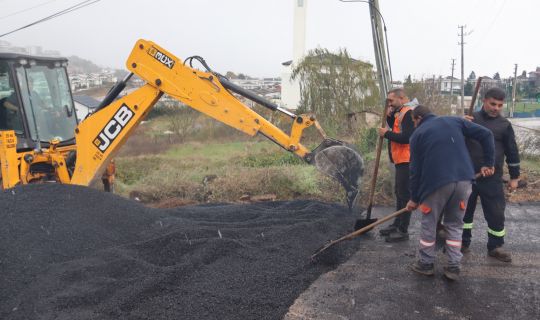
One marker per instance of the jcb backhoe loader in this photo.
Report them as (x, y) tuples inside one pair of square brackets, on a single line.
[(41, 139)]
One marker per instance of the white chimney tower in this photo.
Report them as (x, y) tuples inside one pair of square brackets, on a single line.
[(290, 90)]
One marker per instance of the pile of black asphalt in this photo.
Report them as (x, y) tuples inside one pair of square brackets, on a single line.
[(69, 252)]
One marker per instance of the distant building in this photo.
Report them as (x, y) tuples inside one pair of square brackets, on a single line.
[(81, 81), (35, 50), (534, 78), (450, 85), (84, 105), (51, 53)]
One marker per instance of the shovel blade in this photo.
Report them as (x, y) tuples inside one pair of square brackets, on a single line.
[(340, 161)]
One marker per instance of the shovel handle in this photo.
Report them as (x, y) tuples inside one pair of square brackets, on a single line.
[(377, 161), (475, 94), (373, 225), (357, 232)]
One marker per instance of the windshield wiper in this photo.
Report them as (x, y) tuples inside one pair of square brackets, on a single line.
[(68, 111)]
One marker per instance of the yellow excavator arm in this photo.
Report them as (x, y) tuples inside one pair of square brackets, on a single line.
[(100, 135)]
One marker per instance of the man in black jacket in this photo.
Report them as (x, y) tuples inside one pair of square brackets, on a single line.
[(490, 189)]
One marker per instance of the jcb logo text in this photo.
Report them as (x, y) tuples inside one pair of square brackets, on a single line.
[(113, 128)]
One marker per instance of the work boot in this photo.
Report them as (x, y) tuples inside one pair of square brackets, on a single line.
[(451, 273), (420, 267), (397, 236), (465, 249), (386, 231), (500, 254)]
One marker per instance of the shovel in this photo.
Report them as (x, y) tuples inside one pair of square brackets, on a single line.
[(356, 233), (361, 223), (475, 94)]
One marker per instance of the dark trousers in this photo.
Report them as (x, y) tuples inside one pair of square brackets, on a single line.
[(491, 193), (403, 195)]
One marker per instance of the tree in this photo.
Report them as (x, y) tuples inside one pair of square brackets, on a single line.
[(524, 74), (408, 81), (472, 76), (468, 89), (496, 76), (333, 85), (230, 75)]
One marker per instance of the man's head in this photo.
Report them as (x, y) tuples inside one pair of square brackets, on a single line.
[(396, 98), (419, 113), (493, 102)]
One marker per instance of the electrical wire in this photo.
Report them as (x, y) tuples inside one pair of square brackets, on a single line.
[(370, 2), (78, 6), (495, 18), (25, 10)]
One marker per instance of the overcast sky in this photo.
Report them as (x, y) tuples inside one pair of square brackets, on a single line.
[(255, 36)]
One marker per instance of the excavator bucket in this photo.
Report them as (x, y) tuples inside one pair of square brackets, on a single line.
[(340, 161)]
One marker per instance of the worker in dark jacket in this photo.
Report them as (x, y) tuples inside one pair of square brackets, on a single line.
[(490, 189), (441, 177), (399, 121)]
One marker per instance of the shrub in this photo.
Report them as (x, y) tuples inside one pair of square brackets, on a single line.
[(271, 159)]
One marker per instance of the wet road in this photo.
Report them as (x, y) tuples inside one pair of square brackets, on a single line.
[(376, 283)]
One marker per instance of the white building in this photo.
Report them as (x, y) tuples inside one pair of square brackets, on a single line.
[(290, 90), (448, 83), (84, 105)]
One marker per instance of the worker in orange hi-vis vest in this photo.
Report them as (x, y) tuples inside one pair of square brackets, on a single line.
[(399, 130)]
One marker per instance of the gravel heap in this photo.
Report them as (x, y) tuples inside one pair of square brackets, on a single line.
[(69, 252)]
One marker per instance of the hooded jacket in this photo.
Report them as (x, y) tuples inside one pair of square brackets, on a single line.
[(439, 154)]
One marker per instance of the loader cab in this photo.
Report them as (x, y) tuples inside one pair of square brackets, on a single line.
[(35, 100)]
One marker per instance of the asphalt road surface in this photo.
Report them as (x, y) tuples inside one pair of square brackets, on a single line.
[(376, 283)]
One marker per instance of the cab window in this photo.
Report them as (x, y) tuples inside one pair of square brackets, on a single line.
[(10, 117)]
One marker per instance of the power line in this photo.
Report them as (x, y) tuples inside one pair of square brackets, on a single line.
[(373, 7), (495, 18), (55, 15), (27, 9)]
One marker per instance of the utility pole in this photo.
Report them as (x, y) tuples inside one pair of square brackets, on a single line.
[(380, 50), (452, 82), (514, 87), (462, 70)]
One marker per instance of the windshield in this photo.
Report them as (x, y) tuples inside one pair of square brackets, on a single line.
[(10, 118), (47, 102)]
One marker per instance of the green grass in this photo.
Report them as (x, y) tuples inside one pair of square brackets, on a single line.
[(531, 164), (222, 166), (237, 168), (526, 106), (218, 151)]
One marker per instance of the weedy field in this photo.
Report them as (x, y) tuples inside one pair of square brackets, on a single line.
[(171, 162)]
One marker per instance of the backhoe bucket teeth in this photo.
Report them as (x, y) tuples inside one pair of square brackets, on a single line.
[(340, 161)]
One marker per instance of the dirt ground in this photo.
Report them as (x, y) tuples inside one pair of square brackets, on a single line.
[(529, 190)]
